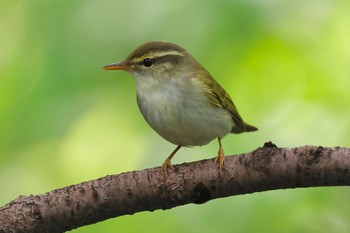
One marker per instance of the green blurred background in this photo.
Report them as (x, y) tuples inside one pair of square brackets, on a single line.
[(63, 120)]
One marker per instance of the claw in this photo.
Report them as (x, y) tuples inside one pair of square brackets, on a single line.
[(167, 162), (166, 165), (221, 157)]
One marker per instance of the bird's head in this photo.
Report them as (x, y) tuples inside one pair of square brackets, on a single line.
[(156, 59)]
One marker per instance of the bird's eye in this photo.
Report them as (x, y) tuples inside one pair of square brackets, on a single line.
[(147, 62)]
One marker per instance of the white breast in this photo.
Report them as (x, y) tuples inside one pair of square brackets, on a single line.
[(178, 110)]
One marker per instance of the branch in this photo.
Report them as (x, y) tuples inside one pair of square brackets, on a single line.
[(265, 168)]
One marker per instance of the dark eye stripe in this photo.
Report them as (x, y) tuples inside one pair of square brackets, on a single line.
[(148, 61)]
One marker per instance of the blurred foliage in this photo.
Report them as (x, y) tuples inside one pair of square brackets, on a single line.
[(63, 120)]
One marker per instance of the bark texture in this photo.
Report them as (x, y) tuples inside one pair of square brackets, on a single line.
[(266, 168)]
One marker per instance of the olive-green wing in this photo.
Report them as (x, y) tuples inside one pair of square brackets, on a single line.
[(219, 97)]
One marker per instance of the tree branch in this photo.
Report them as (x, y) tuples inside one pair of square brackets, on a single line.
[(265, 168)]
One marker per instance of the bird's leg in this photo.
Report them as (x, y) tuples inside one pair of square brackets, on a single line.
[(221, 156), (167, 162)]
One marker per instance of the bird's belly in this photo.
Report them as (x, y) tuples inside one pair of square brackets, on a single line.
[(189, 121)]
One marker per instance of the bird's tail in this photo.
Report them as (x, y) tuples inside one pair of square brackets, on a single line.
[(243, 128), (249, 128)]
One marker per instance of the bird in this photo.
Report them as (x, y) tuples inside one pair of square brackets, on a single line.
[(180, 99)]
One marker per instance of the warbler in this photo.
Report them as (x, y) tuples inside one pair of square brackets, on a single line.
[(179, 98)]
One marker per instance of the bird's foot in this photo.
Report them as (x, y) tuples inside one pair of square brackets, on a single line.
[(220, 159), (166, 165)]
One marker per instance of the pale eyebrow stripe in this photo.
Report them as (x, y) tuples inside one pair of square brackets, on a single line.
[(159, 54), (166, 53)]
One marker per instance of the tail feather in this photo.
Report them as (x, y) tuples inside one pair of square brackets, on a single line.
[(249, 128), (243, 128)]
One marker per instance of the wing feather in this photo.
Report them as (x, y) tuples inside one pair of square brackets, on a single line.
[(220, 98)]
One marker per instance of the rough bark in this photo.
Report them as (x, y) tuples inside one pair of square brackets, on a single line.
[(265, 168)]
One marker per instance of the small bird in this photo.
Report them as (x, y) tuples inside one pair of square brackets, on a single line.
[(179, 98)]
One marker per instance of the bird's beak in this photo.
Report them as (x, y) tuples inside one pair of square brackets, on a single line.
[(123, 65)]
